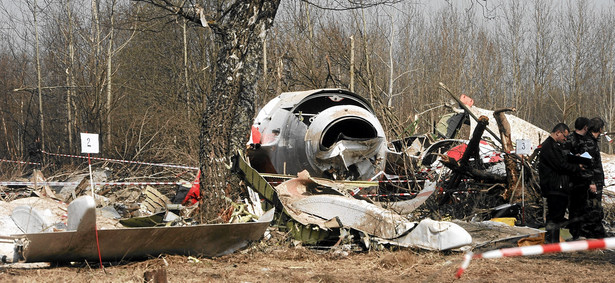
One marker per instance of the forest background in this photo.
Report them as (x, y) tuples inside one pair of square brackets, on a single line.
[(138, 75)]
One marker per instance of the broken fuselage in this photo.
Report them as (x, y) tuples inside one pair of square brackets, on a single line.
[(331, 133)]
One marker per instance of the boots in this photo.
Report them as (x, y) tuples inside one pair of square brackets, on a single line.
[(552, 234)]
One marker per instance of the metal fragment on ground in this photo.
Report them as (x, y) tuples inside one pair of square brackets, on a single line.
[(434, 235), (356, 214), (304, 201), (133, 243), (407, 206)]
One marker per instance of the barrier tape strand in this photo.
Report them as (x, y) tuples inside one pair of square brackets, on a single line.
[(95, 183), (583, 245), (122, 161), (20, 162)]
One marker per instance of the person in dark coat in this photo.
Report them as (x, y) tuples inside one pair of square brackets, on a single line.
[(554, 171), (592, 226), (577, 144)]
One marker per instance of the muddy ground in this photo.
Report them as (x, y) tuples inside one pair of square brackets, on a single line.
[(263, 262)]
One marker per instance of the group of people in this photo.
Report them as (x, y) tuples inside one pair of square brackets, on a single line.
[(570, 181)]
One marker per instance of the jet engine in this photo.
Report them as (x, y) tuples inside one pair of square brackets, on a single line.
[(331, 133)]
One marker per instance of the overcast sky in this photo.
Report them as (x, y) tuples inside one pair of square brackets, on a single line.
[(15, 14)]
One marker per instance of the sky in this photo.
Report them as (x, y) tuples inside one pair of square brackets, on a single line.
[(16, 16)]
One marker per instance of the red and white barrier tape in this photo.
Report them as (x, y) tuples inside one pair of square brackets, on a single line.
[(389, 195), (122, 161), (583, 245), (95, 183), (425, 170), (20, 162), (382, 181)]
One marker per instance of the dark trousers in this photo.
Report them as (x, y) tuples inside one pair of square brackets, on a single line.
[(577, 210), (556, 211), (592, 226)]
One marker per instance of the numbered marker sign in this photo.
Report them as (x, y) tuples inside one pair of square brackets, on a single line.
[(524, 147), (89, 143)]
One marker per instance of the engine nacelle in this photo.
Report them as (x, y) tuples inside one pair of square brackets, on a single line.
[(331, 133)]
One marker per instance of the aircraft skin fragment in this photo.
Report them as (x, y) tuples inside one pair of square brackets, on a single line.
[(133, 243), (307, 203), (408, 206)]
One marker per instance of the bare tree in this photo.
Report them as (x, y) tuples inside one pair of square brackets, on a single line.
[(34, 9), (605, 69), (576, 47), (542, 57), (238, 28), (514, 32)]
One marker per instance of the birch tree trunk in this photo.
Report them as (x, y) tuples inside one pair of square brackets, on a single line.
[(186, 82), (230, 107), (38, 78), (109, 103), (94, 79), (70, 77), (352, 63), (391, 70)]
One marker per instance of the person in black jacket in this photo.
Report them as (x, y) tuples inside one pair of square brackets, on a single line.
[(554, 171), (592, 226), (577, 144)]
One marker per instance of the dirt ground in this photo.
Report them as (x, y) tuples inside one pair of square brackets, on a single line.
[(263, 262)]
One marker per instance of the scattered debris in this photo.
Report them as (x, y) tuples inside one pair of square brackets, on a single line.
[(78, 242), (311, 203), (41, 229), (321, 160)]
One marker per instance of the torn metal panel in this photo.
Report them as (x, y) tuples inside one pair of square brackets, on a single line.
[(308, 234), (341, 187), (488, 235), (354, 213), (434, 235), (299, 197), (144, 221), (69, 191), (132, 243), (37, 177), (519, 128), (408, 206), (78, 184), (258, 182), (449, 124), (154, 201), (331, 133), (29, 220), (304, 202), (254, 179), (81, 214)]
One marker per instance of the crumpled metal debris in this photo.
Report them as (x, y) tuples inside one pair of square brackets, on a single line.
[(80, 243), (304, 201)]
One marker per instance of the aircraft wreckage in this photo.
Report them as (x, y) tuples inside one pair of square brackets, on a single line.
[(334, 134), (326, 153), (331, 133), (82, 239)]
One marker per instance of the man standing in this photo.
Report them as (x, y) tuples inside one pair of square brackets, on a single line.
[(554, 171), (592, 226), (577, 144)]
